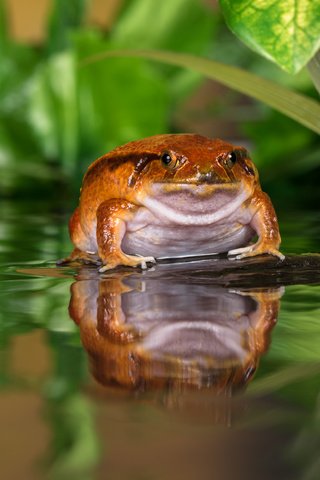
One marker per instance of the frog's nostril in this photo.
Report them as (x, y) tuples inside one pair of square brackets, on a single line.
[(209, 177)]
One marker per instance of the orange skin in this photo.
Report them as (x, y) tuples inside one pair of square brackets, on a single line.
[(117, 352), (117, 184)]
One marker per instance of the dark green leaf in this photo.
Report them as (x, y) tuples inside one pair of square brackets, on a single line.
[(66, 16)]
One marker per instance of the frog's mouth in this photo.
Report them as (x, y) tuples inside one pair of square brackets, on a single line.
[(193, 204)]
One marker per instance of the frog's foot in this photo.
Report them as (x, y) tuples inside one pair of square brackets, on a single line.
[(255, 249), (81, 257), (127, 260)]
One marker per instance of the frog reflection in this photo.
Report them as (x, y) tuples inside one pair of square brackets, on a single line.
[(164, 333)]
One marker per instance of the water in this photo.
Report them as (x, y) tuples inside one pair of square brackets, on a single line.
[(197, 370)]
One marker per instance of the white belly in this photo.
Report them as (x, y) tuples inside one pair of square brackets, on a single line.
[(162, 239)]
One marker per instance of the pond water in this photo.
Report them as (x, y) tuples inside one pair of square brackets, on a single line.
[(206, 369)]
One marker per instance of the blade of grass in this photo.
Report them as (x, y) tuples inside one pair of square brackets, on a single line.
[(299, 107)]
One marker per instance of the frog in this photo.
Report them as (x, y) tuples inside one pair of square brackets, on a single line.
[(172, 195)]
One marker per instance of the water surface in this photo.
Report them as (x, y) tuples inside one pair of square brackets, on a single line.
[(198, 370)]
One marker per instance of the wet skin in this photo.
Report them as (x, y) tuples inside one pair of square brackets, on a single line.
[(168, 196)]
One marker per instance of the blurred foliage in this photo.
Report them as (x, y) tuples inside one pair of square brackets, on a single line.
[(65, 17), (301, 108), (53, 113), (55, 117)]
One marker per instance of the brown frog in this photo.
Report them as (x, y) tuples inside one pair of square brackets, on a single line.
[(169, 196)]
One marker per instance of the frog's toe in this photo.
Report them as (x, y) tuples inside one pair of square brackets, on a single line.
[(247, 254), (129, 261), (254, 250), (275, 253), (106, 268), (142, 261), (78, 256), (241, 252)]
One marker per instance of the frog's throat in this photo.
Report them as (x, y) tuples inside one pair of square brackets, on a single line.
[(160, 209), (162, 334)]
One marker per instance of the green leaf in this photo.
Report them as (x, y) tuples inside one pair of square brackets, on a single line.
[(180, 25), (65, 17), (52, 109), (296, 106), (169, 29), (284, 31), (17, 63)]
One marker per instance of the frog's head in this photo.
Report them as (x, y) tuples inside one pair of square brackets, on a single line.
[(191, 173), (190, 159)]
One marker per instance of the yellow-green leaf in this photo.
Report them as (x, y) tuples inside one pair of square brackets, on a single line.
[(285, 31)]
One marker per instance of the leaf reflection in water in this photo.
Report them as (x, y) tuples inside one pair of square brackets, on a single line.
[(172, 335)]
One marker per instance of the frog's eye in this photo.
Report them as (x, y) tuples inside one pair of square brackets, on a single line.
[(168, 160), (231, 159)]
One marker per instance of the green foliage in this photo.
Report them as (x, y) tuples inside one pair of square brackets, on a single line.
[(180, 25), (53, 113), (110, 105), (285, 31), (56, 117), (299, 107), (52, 108), (280, 155), (66, 16)]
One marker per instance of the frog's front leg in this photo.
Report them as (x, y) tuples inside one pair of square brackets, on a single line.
[(264, 222), (112, 217)]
